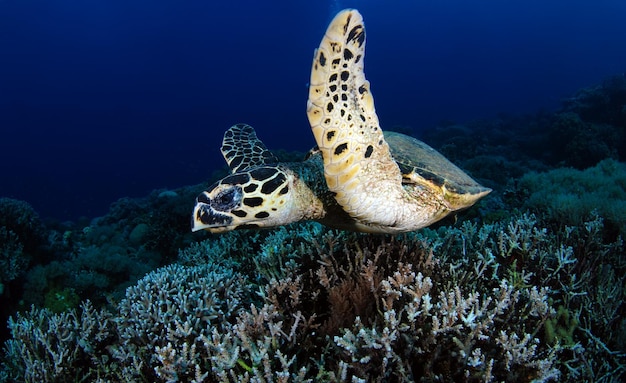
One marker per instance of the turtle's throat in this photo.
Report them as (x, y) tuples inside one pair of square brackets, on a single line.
[(306, 182)]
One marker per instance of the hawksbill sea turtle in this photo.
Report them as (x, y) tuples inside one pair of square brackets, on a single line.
[(358, 178)]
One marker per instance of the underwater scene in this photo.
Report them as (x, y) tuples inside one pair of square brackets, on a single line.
[(298, 191)]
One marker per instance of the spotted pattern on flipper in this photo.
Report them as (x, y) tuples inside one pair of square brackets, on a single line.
[(344, 121), (243, 150)]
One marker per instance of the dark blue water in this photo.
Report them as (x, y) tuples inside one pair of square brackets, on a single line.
[(105, 99)]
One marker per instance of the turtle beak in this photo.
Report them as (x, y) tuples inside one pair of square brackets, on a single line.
[(207, 218)]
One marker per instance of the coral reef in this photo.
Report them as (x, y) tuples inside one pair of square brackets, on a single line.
[(589, 127), (508, 301), (99, 260), (13, 261), (56, 347), (570, 196), (20, 218), (21, 235), (579, 143), (603, 103)]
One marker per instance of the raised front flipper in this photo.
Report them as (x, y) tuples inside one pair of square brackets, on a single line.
[(358, 165)]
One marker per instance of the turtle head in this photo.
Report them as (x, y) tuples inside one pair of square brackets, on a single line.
[(255, 198)]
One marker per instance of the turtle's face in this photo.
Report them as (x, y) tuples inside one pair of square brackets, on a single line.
[(255, 198)]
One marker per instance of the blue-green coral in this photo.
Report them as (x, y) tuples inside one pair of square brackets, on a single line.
[(571, 196)]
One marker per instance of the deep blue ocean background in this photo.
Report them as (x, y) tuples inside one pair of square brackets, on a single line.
[(105, 99)]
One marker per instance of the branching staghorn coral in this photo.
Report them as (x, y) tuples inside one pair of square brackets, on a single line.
[(164, 315), (427, 330), (509, 301), (48, 347)]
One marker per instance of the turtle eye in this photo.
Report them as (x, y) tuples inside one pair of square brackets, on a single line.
[(227, 199)]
